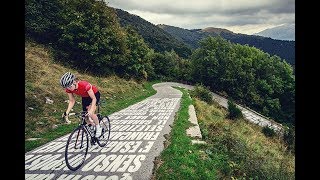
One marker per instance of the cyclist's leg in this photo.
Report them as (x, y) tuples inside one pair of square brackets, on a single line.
[(94, 116), (85, 105)]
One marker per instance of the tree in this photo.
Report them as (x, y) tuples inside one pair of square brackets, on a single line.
[(92, 37), (42, 20), (248, 75), (138, 62)]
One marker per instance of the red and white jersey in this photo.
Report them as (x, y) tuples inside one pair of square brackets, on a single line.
[(83, 88)]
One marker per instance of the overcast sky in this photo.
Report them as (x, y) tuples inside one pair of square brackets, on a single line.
[(239, 16)]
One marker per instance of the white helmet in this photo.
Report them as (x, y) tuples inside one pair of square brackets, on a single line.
[(67, 79)]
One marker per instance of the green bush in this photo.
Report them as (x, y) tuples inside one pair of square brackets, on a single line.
[(269, 132), (289, 138), (234, 111), (42, 20), (203, 93)]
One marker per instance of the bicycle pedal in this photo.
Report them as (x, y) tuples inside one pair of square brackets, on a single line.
[(99, 117), (93, 142)]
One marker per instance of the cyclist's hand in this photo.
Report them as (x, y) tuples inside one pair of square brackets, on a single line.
[(64, 115), (66, 118), (89, 113)]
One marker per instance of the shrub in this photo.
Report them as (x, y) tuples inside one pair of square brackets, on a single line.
[(42, 20), (234, 111), (203, 93), (269, 132), (289, 138)]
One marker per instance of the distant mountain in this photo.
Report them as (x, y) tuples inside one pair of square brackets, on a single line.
[(283, 49), (164, 38), (284, 32), (215, 30), (155, 37)]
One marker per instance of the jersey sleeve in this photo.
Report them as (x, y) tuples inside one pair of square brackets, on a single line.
[(88, 87)]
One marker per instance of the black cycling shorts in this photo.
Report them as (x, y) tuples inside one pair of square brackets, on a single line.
[(86, 101)]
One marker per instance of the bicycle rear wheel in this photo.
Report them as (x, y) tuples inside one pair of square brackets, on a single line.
[(105, 134), (76, 148)]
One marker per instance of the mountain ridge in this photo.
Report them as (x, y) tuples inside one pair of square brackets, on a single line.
[(283, 32), (282, 48), (216, 30), (164, 37), (155, 37)]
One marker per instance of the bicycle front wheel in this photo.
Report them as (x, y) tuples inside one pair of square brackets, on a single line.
[(105, 134), (76, 148)]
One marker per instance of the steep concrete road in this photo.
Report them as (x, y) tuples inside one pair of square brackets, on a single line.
[(137, 136)]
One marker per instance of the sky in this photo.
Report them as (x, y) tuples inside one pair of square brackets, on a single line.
[(238, 16)]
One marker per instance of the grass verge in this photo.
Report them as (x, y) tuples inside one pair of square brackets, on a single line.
[(234, 149), (180, 159)]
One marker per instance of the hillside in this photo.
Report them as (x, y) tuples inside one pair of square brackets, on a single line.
[(190, 38), (155, 37), (283, 49), (43, 120), (234, 149), (215, 30)]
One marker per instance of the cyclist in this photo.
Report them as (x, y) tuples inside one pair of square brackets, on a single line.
[(90, 98)]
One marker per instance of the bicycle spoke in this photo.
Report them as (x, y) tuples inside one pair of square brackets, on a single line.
[(77, 148), (105, 134)]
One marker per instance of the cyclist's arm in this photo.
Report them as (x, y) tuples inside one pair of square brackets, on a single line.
[(72, 101), (94, 101)]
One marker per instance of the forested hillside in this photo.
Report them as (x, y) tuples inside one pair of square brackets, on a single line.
[(155, 37), (283, 49), (191, 38), (248, 75), (89, 39)]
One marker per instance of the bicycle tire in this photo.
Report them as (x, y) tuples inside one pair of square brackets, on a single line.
[(105, 135), (71, 158)]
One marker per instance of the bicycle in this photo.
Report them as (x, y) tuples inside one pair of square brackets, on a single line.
[(78, 141)]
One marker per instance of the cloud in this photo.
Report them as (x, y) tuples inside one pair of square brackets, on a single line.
[(204, 6), (191, 14)]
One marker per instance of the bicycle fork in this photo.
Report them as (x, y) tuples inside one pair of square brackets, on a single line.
[(81, 143)]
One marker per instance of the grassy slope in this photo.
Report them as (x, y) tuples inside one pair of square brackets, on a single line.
[(234, 149), (42, 77)]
